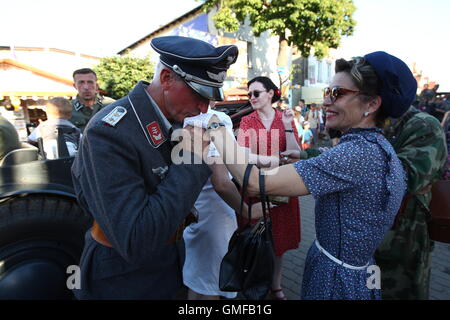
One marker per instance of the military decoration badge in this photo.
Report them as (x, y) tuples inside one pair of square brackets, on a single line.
[(156, 135), (114, 116)]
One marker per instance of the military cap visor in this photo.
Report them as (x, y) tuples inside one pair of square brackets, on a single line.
[(206, 90), (210, 93), (202, 66)]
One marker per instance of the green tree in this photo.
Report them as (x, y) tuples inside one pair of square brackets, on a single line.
[(307, 24), (119, 74)]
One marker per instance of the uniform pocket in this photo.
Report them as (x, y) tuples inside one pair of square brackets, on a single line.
[(111, 265)]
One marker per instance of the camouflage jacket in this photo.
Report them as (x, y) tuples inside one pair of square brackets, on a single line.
[(404, 254), (82, 114), (419, 142)]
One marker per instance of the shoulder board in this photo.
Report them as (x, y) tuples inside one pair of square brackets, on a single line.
[(115, 116)]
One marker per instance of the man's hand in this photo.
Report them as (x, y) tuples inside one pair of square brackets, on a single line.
[(194, 141)]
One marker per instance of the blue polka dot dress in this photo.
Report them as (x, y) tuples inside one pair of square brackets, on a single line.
[(358, 186)]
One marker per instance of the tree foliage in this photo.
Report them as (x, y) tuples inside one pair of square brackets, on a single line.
[(312, 24), (119, 74)]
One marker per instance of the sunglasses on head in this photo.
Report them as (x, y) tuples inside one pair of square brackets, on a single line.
[(337, 92), (254, 93)]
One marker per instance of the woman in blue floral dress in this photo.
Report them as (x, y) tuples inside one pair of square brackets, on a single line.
[(358, 185)]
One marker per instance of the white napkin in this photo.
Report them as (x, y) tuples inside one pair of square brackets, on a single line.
[(202, 121)]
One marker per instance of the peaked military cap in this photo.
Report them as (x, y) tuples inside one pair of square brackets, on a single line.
[(398, 86), (201, 65)]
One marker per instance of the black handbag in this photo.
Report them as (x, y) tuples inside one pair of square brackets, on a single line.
[(248, 265)]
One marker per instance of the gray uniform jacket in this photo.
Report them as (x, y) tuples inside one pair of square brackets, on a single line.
[(116, 180)]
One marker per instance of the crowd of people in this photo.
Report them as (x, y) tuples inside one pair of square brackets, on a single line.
[(161, 223)]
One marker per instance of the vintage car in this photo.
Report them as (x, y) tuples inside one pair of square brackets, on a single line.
[(236, 105), (41, 226)]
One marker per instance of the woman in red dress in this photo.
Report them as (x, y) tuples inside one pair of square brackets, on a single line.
[(266, 132)]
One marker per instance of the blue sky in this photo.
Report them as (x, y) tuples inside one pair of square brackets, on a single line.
[(414, 30), (97, 27)]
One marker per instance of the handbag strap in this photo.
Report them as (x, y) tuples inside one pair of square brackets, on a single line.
[(263, 196), (248, 170)]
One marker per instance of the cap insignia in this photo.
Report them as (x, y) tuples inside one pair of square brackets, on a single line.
[(219, 77)]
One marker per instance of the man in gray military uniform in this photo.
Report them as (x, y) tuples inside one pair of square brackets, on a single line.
[(88, 101), (124, 177)]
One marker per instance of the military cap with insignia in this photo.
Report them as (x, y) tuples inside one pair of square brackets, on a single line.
[(201, 65)]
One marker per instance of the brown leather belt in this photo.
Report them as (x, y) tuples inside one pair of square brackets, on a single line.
[(99, 236)]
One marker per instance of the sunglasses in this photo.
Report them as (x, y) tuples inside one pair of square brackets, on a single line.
[(337, 92), (254, 93)]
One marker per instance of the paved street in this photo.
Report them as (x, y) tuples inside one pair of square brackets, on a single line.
[(294, 260)]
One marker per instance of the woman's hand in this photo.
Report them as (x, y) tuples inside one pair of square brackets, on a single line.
[(211, 134), (257, 210), (214, 118), (289, 156), (287, 118)]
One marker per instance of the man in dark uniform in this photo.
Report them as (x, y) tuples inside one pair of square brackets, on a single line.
[(88, 101), (124, 177)]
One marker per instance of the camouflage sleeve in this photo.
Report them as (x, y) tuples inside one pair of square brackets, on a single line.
[(309, 153), (421, 148)]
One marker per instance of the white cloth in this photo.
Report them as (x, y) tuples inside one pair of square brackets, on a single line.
[(202, 121), (207, 240), (51, 149)]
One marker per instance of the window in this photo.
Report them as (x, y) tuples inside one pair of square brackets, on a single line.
[(312, 73), (319, 71), (249, 55), (328, 72)]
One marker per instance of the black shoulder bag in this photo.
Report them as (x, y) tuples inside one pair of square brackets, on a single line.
[(248, 264)]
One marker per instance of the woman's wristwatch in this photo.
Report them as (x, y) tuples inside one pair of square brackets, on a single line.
[(215, 125)]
